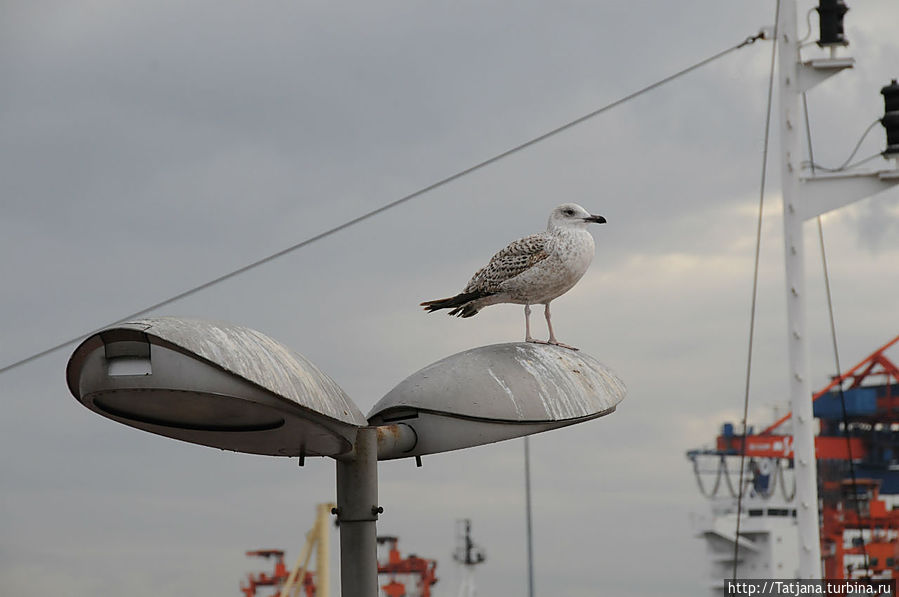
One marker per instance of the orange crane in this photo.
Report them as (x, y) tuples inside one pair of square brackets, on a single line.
[(276, 578), (301, 581), (411, 565), (313, 584)]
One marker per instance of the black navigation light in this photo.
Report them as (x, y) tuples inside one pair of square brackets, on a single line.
[(830, 21), (890, 120)]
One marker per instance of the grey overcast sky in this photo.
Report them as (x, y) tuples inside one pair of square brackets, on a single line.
[(148, 147)]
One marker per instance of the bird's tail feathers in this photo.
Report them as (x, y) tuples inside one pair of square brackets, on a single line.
[(461, 304)]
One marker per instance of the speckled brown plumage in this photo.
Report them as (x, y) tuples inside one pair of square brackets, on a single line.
[(519, 256)]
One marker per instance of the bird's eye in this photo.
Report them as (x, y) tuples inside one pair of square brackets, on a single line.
[(568, 212)]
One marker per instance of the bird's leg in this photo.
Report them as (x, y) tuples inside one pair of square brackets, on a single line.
[(552, 335), (527, 324)]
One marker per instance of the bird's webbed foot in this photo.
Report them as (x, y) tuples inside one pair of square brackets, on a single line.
[(551, 343)]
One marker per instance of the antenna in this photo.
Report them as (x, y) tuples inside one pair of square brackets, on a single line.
[(469, 555)]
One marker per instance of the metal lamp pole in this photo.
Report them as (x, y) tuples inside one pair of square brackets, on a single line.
[(357, 512), (527, 497)]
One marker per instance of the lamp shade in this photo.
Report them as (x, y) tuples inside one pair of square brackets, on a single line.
[(214, 384)]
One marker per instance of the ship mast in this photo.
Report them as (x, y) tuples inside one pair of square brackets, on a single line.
[(805, 198), (806, 472), (469, 555)]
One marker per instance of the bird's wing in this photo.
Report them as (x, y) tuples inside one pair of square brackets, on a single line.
[(519, 256)]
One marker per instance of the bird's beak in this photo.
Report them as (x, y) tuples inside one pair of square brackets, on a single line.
[(596, 219)]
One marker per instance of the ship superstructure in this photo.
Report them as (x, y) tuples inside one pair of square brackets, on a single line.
[(857, 452)]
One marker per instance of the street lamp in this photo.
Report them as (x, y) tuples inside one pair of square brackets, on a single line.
[(234, 388)]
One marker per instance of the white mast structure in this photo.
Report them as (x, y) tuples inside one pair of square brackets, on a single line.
[(805, 198)]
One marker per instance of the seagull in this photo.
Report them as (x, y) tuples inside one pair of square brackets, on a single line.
[(532, 270)]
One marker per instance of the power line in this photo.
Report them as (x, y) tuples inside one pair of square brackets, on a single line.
[(471, 169), (755, 283), (833, 327), (846, 164)]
